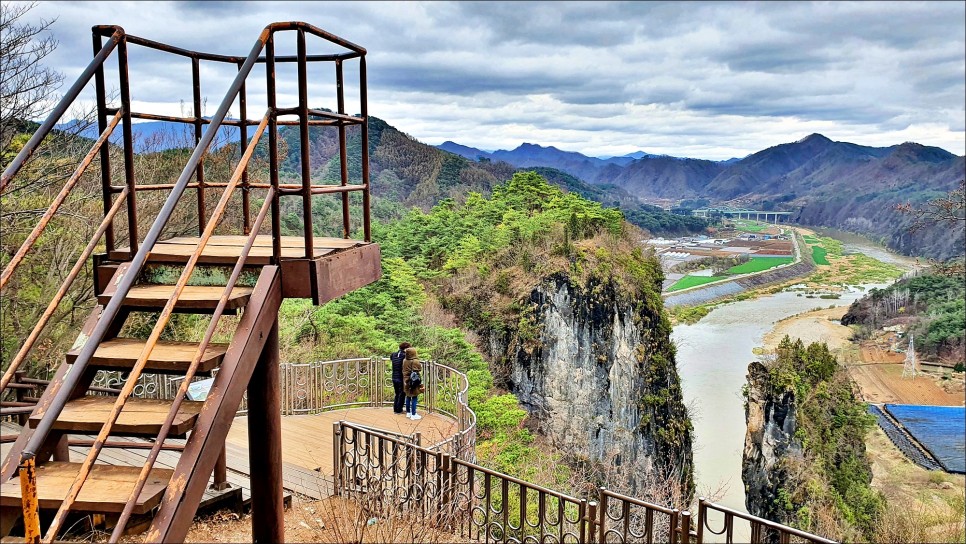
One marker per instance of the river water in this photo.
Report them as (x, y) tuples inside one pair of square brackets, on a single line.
[(713, 357)]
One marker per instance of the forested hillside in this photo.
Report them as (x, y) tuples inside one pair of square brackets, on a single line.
[(932, 307), (462, 271)]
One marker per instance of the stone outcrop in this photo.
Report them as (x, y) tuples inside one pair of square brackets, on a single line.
[(595, 369), (770, 445)]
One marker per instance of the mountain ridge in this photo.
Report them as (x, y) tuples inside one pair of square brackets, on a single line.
[(825, 182)]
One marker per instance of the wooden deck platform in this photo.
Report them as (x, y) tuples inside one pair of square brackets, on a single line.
[(307, 440), (306, 450), (339, 265), (226, 249)]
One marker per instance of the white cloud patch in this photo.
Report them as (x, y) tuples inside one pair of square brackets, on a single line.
[(709, 80)]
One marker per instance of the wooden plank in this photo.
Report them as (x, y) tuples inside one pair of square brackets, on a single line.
[(193, 297), (106, 490), (307, 439), (167, 356), (140, 417), (12, 458)]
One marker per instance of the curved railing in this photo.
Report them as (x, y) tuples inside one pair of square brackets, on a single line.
[(320, 386)]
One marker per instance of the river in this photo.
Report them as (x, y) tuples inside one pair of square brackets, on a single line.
[(713, 357)]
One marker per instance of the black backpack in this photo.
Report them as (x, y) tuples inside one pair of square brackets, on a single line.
[(415, 380)]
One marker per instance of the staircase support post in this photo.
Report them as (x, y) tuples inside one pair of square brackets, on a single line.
[(265, 445)]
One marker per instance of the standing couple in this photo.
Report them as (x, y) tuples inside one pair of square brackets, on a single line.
[(406, 380)]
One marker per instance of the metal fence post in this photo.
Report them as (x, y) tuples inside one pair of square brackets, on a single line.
[(602, 513), (702, 519), (336, 457), (685, 527), (28, 496), (589, 533), (672, 531)]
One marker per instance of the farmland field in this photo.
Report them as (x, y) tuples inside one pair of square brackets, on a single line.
[(750, 226), (691, 281), (757, 264), (819, 255)]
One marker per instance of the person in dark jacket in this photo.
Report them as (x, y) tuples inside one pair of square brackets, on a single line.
[(397, 377), (411, 364)]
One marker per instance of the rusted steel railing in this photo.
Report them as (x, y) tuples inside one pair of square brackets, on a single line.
[(192, 176), (762, 530), (55, 205), (116, 36), (28, 344), (472, 502)]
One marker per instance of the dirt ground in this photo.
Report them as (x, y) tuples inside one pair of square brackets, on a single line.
[(932, 497), (333, 520), (815, 326), (874, 366)]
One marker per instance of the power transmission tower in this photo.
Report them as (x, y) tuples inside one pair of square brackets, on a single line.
[(909, 369)]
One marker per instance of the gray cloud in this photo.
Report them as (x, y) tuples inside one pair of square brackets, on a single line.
[(710, 79)]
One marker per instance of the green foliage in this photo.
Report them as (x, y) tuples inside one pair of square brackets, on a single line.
[(832, 425), (645, 216), (936, 302)]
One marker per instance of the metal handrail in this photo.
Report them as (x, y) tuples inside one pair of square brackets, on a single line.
[(110, 312), (55, 302), (140, 258), (365, 378), (728, 526), (451, 498), (193, 167), (28, 149), (55, 205)]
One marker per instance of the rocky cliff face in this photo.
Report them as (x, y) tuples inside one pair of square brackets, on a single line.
[(770, 445), (597, 374)]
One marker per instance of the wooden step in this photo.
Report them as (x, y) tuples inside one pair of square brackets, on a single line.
[(140, 417), (167, 356), (193, 297), (106, 490)]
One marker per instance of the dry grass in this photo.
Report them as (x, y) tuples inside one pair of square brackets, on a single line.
[(333, 520)]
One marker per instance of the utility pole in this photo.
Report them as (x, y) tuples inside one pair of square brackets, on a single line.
[(909, 369)]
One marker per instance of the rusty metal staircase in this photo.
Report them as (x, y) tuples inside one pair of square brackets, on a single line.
[(253, 273)]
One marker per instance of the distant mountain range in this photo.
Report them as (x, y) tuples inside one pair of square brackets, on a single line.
[(156, 135), (826, 183)]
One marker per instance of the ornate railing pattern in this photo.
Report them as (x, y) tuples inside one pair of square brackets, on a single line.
[(475, 503), (319, 386)]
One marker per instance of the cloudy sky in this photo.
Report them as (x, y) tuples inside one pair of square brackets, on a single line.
[(707, 80)]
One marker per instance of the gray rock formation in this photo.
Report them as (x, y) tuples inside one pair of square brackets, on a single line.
[(770, 445), (598, 376)]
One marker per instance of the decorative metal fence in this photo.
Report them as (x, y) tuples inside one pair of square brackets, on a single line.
[(319, 386), (474, 503)]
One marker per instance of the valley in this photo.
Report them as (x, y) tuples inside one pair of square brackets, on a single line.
[(744, 329), (822, 182)]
